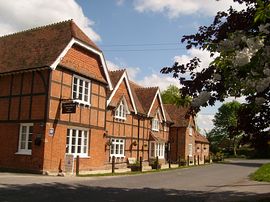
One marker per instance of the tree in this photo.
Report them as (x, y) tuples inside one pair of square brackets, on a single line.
[(239, 43), (226, 122), (172, 96)]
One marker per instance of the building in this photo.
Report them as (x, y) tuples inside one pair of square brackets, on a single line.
[(50, 71), (136, 122), (186, 143), (40, 69), (59, 102)]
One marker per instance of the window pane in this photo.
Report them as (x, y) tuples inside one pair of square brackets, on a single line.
[(22, 145)]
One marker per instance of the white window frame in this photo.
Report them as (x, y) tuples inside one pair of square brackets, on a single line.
[(121, 111), (117, 147), (190, 150), (84, 87), (26, 150), (158, 149), (84, 142), (155, 123), (190, 130)]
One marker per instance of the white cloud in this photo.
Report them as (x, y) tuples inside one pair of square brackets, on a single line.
[(158, 80), (148, 81), (238, 99), (120, 2), (24, 14), (176, 8), (191, 53), (132, 71), (205, 122)]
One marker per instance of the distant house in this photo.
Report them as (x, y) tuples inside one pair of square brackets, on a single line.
[(186, 142)]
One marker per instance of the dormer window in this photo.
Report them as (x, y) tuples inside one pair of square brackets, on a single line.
[(155, 122), (122, 110)]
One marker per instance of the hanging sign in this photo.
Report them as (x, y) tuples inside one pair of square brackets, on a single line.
[(68, 107)]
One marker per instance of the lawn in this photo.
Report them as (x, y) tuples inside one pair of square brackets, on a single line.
[(262, 174)]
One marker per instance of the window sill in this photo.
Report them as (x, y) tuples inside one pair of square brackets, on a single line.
[(156, 130), (85, 104), (119, 118), (80, 156), (29, 153)]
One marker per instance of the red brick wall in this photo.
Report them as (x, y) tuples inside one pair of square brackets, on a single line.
[(128, 129), (55, 149), (22, 102), (84, 62), (9, 140)]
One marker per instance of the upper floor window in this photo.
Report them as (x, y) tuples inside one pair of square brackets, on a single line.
[(81, 90), (155, 122), (77, 142), (122, 110), (117, 147), (190, 130), (25, 139)]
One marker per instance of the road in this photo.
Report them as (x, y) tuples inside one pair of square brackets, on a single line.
[(216, 182)]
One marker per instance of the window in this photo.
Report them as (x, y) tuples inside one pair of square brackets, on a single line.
[(190, 150), (77, 142), (190, 130), (81, 90), (25, 139), (157, 149), (155, 123), (121, 112), (117, 147)]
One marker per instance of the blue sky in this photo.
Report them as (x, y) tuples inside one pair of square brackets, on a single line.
[(140, 35)]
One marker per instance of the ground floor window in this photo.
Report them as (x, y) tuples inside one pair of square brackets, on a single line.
[(25, 139), (117, 148), (157, 149), (190, 149), (77, 142)]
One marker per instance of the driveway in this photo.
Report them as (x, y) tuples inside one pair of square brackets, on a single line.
[(216, 182)]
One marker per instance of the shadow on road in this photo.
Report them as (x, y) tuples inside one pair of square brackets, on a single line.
[(62, 192), (245, 164)]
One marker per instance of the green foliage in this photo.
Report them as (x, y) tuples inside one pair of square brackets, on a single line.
[(225, 136), (239, 43), (262, 174), (227, 116), (172, 96)]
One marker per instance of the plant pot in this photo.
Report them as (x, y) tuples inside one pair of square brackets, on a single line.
[(135, 168), (156, 166)]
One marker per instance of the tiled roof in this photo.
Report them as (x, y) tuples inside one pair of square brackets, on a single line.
[(200, 138), (138, 104), (115, 76), (146, 97), (38, 47), (178, 115)]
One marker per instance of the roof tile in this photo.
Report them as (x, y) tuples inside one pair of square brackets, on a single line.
[(38, 47)]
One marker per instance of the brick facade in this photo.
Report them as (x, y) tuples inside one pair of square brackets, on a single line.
[(36, 136)]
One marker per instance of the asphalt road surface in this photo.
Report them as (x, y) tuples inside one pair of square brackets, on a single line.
[(216, 182)]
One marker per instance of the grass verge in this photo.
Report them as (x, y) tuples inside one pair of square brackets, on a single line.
[(262, 174), (138, 173)]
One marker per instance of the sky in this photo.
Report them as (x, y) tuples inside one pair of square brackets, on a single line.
[(141, 36)]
